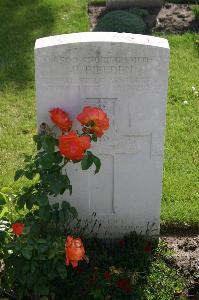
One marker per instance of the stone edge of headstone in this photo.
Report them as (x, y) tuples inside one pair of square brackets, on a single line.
[(86, 37)]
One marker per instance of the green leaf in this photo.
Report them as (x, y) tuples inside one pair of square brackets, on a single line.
[(57, 157), (87, 161), (33, 266), (46, 161), (44, 213), (27, 252), (66, 209), (56, 183), (61, 217), (65, 205), (42, 248), (6, 190), (48, 143), (73, 211), (52, 253), (2, 199), (94, 137), (70, 189), (3, 236), (26, 230), (97, 163), (30, 202), (18, 174), (55, 206), (29, 174), (27, 158), (42, 199), (61, 268), (41, 241)]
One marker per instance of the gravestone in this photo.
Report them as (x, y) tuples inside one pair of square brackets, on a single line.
[(133, 3), (126, 75)]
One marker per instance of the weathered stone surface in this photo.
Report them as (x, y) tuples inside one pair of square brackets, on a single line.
[(133, 3), (126, 75)]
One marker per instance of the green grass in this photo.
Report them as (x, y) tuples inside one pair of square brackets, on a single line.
[(150, 276), (181, 178), (21, 23), (196, 12)]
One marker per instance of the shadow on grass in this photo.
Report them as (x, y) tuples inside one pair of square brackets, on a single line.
[(133, 268), (22, 21), (117, 269)]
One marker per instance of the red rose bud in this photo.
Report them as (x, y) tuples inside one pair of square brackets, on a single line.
[(61, 119), (74, 250)]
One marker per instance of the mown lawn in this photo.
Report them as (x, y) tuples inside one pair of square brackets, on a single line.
[(22, 22)]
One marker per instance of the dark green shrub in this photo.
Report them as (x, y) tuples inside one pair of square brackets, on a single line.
[(140, 12), (121, 21)]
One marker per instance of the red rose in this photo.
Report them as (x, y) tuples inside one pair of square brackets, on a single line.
[(124, 284), (61, 119), (75, 251), (72, 146), (96, 120), (18, 228), (107, 275)]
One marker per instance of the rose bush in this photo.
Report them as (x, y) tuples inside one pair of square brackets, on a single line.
[(34, 251)]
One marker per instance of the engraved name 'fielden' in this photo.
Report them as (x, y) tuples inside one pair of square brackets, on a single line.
[(126, 75)]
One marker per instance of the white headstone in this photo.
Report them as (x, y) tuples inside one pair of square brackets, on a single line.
[(126, 75), (133, 3)]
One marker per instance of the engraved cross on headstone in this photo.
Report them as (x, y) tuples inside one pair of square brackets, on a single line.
[(111, 146)]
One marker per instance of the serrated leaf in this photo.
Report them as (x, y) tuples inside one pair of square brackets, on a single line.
[(97, 163), (56, 183), (48, 143)]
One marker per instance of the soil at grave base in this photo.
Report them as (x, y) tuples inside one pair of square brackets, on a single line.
[(171, 18), (185, 259)]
